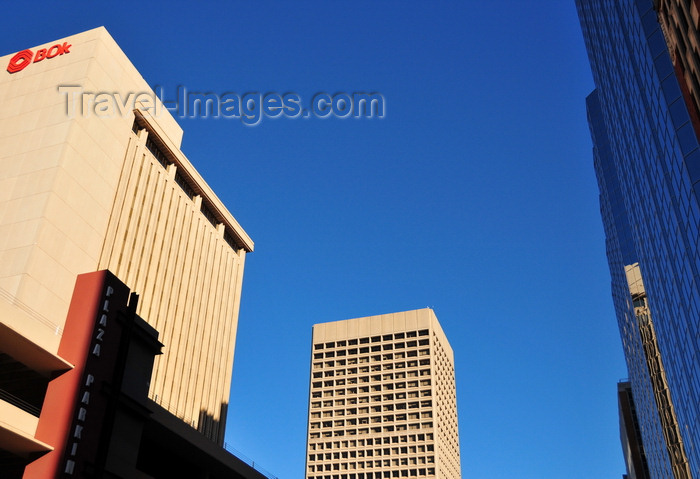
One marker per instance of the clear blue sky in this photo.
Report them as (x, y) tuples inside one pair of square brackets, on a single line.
[(475, 196)]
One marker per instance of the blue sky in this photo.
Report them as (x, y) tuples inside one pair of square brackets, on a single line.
[(475, 196)]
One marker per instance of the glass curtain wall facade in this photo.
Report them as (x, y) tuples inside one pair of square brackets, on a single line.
[(647, 163)]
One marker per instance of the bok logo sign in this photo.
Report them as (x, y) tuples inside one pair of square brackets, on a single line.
[(22, 59)]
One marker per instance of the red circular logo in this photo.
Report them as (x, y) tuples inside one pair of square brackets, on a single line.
[(20, 61)]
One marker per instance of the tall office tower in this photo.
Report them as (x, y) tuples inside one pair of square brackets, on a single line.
[(92, 178), (382, 401), (647, 164)]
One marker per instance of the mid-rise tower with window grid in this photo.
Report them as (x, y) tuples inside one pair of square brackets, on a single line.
[(382, 399)]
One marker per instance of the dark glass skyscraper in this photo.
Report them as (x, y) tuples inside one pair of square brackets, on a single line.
[(647, 163)]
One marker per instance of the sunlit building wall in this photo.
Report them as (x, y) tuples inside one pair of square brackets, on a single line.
[(84, 188), (382, 399)]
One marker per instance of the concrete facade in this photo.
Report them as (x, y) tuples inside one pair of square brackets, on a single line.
[(105, 186), (382, 399)]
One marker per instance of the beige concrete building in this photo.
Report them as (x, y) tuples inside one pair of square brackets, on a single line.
[(382, 399), (92, 177)]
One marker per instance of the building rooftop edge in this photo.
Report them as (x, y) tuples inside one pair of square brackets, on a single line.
[(377, 316), (169, 132), (188, 168)]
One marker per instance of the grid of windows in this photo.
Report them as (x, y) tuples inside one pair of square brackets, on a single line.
[(646, 157), (446, 411), (374, 407)]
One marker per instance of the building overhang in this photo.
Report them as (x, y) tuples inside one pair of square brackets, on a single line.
[(16, 440), (31, 354)]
